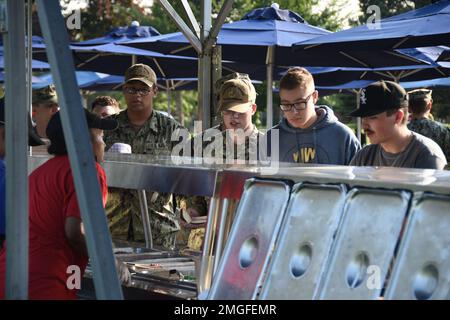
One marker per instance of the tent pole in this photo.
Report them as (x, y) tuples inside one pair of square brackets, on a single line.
[(216, 75), (358, 119), (204, 66), (16, 152), (76, 135), (29, 59), (269, 65), (168, 96)]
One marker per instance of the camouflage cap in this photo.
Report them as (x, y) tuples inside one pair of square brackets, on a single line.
[(45, 94), (237, 94), (420, 94), (140, 72)]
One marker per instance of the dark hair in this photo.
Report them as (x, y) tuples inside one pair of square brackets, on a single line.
[(55, 132), (390, 112), (296, 77), (104, 101), (57, 147), (418, 105)]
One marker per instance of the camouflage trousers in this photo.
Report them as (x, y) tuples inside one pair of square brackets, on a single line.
[(125, 222)]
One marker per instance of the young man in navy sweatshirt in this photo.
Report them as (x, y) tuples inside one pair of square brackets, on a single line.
[(309, 133)]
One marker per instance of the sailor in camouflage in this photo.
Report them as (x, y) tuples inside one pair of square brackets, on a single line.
[(420, 104), (44, 106), (148, 132), (237, 97)]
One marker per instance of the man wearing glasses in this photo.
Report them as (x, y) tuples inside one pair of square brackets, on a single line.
[(147, 131), (310, 133)]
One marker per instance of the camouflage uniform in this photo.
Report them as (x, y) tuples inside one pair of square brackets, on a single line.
[(434, 130), (41, 97), (236, 93), (122, 208), (251, 144), (420, 103), (193, 236)]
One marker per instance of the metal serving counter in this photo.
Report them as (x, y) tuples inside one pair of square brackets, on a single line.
[(225, 185)]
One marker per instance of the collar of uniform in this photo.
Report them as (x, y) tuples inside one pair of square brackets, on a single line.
[(151, 123), (221, 128)]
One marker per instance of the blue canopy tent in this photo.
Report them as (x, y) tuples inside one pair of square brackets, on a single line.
[(34, 79), (115, 59), (35, 64), (104, 56), (434, 83), (37, 42), (445, 55), (259, 38), (264, 36), (108, 83), (97, 81), (427, 26), (247, 40), (121, 34), (111, 83), (332, 75), (83, 78)]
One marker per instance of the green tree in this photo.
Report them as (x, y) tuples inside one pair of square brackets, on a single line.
[(390, 8), (99, 17), (329, 18)]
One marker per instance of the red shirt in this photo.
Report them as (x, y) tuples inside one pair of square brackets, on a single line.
[(52, 199)]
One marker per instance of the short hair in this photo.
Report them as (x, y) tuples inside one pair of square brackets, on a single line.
[(104, 101), (57, 147), (296, 77), (390, 112), (419, 105)]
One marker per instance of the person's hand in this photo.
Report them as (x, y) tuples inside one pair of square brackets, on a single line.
[(123, 273)]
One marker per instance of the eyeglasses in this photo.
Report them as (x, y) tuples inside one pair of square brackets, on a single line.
[(141, 92), (301, 105), (233, 114)]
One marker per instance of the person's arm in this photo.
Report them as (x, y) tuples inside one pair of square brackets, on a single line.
[(356, 160), (428, 160), (75, 235), (352, 147)]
